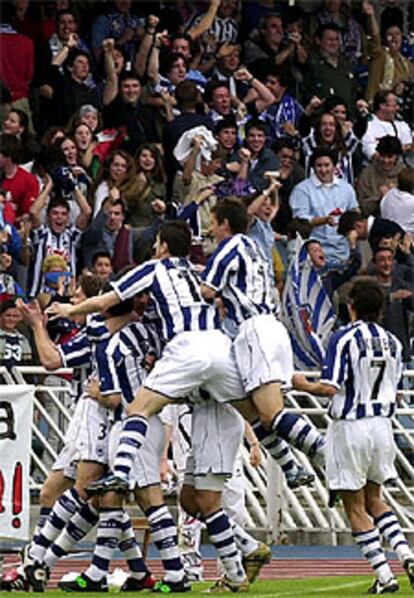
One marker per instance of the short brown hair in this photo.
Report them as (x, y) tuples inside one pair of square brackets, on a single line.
[(90, 284), (406, 180)]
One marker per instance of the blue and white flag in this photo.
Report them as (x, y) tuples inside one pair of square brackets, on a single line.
[(307, 311)]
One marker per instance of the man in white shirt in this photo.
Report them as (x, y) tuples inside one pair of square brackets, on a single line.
[(384, 123), (398, 203)]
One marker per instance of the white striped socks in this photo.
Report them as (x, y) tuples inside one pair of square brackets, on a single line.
[(130, 441)]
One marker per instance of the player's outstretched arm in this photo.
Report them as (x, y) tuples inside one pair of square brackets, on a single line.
[(301, 383), (89, 306)]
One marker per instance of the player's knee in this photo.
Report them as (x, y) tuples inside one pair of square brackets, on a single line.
[(48, 495), (208, 502), (149, 496), (188, 500)]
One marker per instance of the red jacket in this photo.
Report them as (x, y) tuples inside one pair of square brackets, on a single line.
[(16, 62)]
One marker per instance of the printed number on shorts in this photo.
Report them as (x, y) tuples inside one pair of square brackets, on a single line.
[(379, 366), (102, 431)]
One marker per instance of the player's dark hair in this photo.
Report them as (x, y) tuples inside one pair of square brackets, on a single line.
[(232, 210), (367, 298), (177, 235), (120, 309)]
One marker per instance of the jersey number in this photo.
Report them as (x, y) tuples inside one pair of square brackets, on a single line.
[(102, 432), (380, 366)]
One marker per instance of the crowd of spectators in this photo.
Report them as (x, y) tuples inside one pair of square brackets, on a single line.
[(115, 116)]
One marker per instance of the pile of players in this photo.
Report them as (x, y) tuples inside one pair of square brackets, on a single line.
[(176, 350)]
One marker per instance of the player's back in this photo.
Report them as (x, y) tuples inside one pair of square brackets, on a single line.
[(363, 359), (239, 271), (174, 286)]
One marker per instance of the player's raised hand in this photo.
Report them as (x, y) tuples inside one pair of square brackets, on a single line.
[(30, 312), (59, 310)]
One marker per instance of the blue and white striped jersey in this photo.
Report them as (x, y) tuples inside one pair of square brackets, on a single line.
[(239, 272), (79, 350), (363, 361), (45, 242), (174, 286), (121, 363)]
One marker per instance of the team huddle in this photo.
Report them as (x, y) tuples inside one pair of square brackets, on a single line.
[(177, 350)]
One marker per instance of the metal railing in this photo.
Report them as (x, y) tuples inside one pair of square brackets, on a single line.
[(271, 505), (305, 509)]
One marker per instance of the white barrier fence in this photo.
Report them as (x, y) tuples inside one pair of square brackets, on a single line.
[(271, 505)]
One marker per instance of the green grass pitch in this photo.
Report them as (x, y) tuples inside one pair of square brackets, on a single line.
[(325, 587)]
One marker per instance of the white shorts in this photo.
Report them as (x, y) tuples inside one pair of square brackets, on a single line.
[(207, 481), (358, 452), (234, 494), (263, 352), (67, 457), (197, 359), (93, 433), (146, 467), (217, 432)]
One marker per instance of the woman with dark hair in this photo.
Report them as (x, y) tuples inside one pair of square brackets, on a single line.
[(150, 201), (68, 176), (332, 133), (118, 171), (83, 138), (16, 123), (102, 143)]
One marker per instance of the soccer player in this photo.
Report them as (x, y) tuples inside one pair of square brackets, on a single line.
[(72, 516), (221, 428), (361, 373), (238, 274), (197, 353), (121, 369)]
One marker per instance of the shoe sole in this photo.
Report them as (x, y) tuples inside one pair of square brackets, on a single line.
[(304, 482), (99, 491), (78, 590), (258, 564)]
